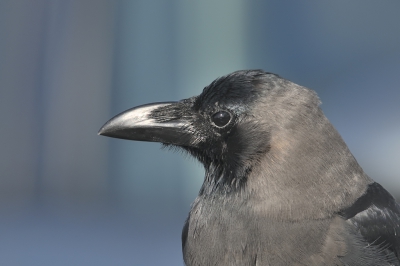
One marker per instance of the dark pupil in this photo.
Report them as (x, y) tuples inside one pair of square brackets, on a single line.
[(221, 118)]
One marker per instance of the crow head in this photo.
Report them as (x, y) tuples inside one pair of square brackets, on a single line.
[(243, 124)]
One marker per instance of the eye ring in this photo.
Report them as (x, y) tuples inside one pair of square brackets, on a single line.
[(221, 118)]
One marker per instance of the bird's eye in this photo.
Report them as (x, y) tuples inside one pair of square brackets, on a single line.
[(221, 118)]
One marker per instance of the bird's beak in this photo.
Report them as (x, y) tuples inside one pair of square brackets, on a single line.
[(156, 122)]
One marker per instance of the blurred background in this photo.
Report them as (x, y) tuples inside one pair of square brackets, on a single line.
[(70, 197)]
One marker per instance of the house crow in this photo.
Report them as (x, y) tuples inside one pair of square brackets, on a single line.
[(280, 187)]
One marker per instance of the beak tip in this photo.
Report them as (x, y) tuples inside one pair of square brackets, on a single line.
[(103, 130)]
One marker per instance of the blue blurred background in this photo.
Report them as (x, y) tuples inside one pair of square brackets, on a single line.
[(70, 197)]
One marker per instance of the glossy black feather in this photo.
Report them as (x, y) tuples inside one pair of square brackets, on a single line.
[(376, 215)]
